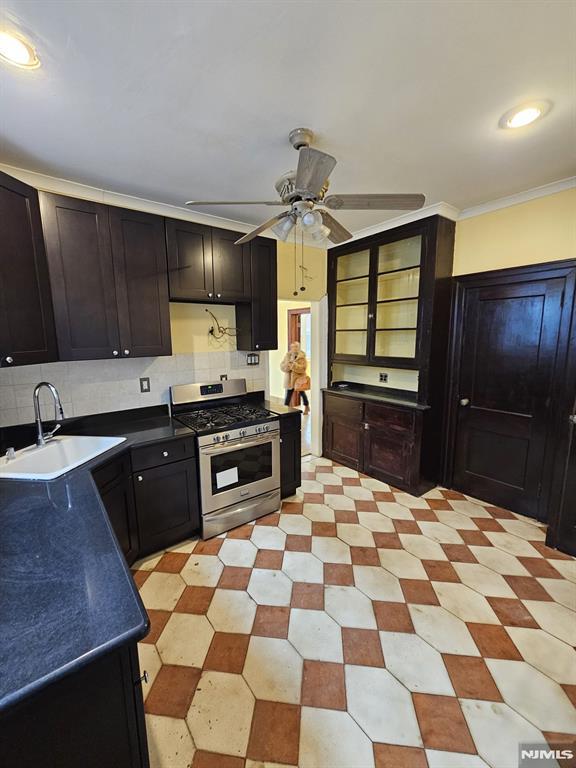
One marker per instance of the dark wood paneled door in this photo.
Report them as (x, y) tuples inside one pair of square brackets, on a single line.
[(509, 347), (27, 332), (190, 271), (566, 532), (77, 237), (231, 265), (139, 254)]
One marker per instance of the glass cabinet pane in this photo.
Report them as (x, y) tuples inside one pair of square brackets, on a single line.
[(400, 255), (395, 344), (354, 317), (353, 265), (352, 291), (351, 342), (397, 314), (398, 285)]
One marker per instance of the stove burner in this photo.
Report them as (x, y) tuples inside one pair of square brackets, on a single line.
[(206, 419)]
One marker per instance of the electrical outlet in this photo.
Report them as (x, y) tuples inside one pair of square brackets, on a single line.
[(383, 377), (145, 384), (223, 377)]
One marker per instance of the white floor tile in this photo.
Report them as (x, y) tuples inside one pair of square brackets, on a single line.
[(442, 630), (169, 742), (556, 619), (374, 521), (232, 610), (202, 571), (349, 607), (377, 583), (320, 513), (340, 502), (269, 587), (439, 532), (512, 544), (394, 511), (185, 640), (455, 520), (441, 759), (415, 663), (315, 635), (268, 537), (297, 525), (329, 738), (546, 653), (150, 663), (162, 591), (329, 549), (562, 590), (499, 561), (355, 535), (422, 547), (483, 580), (402, 564), (303, 566), (464, 602), (273, 670)]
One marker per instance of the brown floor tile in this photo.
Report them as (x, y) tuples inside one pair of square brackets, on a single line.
[(172, 562), (242, 532), (271, 621), (195, 600), (407, 526), (210, 547), (362, 647), (335, 490), (363, 505), (324, 529), (562, 741), (458, 553), (419, 592), (233, 577), (323, 685), (511, 612), (275, 733), (140, 577), (425, 515), (443, 504), (204, 759), (570, 691), (475, 538), (527, 588), (548, 552), (486, 524), (540, 567), (327, 468), (345, 516), (453, 495), (440, 570), (392, 756), (392, 617), (227, 652), (499, 513), (442, 723), (307, 596), (308, 475), (383, 496), (296, 543), (313, 498), (342, 575), (494, 642), (272, 519), (351, 481), (471, 677), (364, 556), (387, 540), (292, 507), (158, 620), (269, 558), (172, 691)]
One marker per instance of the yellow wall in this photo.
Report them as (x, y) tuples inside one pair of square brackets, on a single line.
[(528, 233), (276, 355), (315, 260), (190, 324)]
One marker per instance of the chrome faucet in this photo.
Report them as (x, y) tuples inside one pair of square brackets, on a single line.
[(42, 436)]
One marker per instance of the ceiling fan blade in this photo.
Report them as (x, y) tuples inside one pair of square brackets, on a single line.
[(338, 233), (314, 167), (234, 202), (374, 202), (267, 224)]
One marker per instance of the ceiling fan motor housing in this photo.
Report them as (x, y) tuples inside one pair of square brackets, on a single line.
[(301, 137)]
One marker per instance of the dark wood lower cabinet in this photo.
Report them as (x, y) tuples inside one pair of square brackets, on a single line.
[(343, 430), (91, 718), (114, 483), (290, 454), (167, 506)]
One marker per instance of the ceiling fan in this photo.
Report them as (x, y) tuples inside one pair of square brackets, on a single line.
[(306, 188)]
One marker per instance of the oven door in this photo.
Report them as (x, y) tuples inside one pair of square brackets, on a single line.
[(234, 472)]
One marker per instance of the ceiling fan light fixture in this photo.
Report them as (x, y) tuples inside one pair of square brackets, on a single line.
[(284, 227), (311, 221), (321, 233)]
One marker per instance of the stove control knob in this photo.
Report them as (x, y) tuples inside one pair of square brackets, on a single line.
[(242, 433), (226, 436), (216, 439), (266, 428)]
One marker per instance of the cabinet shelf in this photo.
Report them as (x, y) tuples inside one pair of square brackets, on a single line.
[(403, 298), (356, 277), (398, 269), (405, 328)]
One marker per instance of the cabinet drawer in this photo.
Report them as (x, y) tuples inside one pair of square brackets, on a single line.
[(344, 408), (112, 471), (160, 453), (396, 421)]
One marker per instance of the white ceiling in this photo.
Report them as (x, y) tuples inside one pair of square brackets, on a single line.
[(171, 100)]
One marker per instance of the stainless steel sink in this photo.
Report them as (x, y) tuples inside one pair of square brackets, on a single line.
[(58, 456)]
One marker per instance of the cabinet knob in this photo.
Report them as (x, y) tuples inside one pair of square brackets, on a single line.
[(140, 478), (257, 346), (115, 352), (218, 295), (9, 360), (572, 418), (165, 453), (126, 351), (371, 316), (210, 295), (464, 402), (366, 426)]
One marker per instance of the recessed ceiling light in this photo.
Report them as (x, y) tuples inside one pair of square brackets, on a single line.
[(17, 51), (524, 115)]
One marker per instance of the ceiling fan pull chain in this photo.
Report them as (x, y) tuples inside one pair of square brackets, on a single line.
[(302, 287), (295, 293)]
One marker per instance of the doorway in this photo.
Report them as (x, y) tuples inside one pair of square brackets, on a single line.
[(509, 389)]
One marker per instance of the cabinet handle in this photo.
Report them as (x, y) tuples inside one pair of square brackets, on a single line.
[(281, 441), (9, 360), (115, 352), (165, 453), (210, 295), (464, 402), (143, 678), (126, 351), (366, 426), (140, 478)]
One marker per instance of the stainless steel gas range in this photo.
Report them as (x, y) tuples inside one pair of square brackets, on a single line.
[(239, 452)]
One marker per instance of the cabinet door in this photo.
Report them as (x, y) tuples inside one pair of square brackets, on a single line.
[(167, 505), (77, 236), (27, 332), (342, 441), (257, 321), (350, 297), (139, 253), (114, 483), (290, 462), (387, 457), (231, 265), (190, 273)]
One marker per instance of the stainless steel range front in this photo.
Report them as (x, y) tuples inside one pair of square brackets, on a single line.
[(239, 452)]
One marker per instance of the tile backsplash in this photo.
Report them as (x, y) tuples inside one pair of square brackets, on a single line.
[(98, 386)]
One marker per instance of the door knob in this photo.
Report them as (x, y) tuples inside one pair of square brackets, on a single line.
[(465, 401)]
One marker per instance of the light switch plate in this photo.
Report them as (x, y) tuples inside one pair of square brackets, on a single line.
[(145, 384)]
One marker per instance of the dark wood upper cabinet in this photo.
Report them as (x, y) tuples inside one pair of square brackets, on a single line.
[(257, 321), (108, 274), (231, 265), (27, 332), (190, 270), (139, 255)]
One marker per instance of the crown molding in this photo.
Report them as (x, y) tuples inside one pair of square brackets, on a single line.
[(439, 209), (520, 197)]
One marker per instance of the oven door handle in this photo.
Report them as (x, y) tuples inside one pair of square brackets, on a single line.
[(210, 450)]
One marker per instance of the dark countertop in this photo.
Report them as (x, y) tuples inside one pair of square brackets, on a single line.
[(66, 592), (366, 394)]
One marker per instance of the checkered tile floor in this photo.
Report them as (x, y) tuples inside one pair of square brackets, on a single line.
[(360, 627)]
